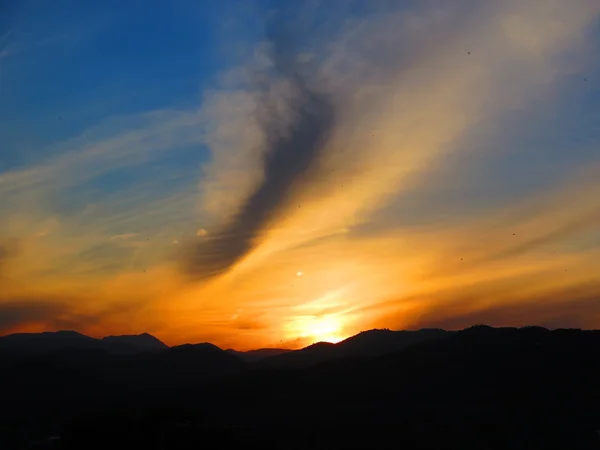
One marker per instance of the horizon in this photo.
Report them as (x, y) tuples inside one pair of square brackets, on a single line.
[(271, 175), (251, 349)]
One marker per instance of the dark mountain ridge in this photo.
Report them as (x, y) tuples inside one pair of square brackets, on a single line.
[(135, 342), (482, 387), (61, 341), (369, 343), (372, 343), (257, 355)]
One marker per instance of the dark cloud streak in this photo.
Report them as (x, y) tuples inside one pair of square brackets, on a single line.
[(61, 312), (8, 250), (21, 311), (564, 232), (561, 308), (292, 148)]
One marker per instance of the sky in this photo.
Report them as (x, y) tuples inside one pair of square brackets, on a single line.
[(273, 174)]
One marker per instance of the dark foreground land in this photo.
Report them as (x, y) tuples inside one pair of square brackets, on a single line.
[(480, 388)]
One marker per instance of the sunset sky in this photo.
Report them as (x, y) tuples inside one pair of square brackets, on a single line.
[(270, 173)]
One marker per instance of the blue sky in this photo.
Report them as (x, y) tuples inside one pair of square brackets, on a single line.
[(183, 161), (69, 65)]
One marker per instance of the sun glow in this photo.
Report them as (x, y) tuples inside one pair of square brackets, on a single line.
[(318, 329)]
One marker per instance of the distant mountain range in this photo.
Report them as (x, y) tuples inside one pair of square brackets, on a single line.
[(257, 355), (367, 343), (138, 342), (481, 387), (48, 342)]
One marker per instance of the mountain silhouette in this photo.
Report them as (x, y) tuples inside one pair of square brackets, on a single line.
[(258, 354), (25, 344), (70, 341), (367, 343), (482, 387), (200, 358), (307, 356), (382, 341), (134, 342)]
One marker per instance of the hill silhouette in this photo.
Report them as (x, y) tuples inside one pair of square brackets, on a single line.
[(36, 343), (61, 341), (134, 343), (258, 354), (365, 344), (482, 387)]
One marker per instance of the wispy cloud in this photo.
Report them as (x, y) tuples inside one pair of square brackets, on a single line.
[(442, 74), (394, 117), (123, 237), (106, 237), (292, 146), (144, 137)]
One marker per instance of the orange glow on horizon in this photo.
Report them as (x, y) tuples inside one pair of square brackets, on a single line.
[(312, 329)]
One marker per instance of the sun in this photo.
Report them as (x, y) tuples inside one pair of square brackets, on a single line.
[(320, 329)]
